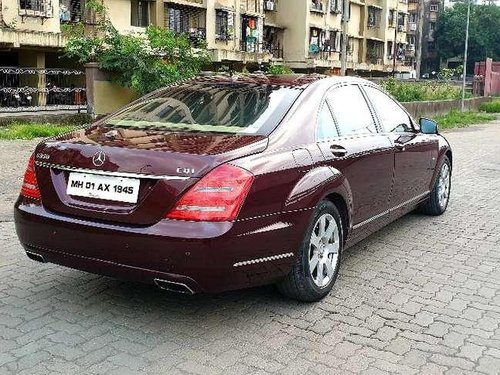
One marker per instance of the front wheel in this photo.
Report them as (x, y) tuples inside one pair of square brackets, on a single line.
[(317, 265), (440, 194)]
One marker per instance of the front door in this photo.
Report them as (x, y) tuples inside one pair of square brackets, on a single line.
[(358, 151), (414, 153)]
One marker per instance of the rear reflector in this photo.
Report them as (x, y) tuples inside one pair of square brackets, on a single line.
[(216, 197), (29, 189)]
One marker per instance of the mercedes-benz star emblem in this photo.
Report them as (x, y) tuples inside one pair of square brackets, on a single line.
[(99, 158)]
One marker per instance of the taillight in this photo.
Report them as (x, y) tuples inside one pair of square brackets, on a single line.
[(216, 197), (30, 184)]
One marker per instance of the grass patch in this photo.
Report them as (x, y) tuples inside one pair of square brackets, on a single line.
[(457, 119), (491, 107), (22, 130)]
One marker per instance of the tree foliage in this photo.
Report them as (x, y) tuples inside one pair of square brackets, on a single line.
[(142, 61), (484, 35)]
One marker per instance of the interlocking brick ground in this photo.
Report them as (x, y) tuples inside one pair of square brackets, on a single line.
[(421, 296)]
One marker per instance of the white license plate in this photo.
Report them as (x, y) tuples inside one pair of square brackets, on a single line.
[(121, 189)]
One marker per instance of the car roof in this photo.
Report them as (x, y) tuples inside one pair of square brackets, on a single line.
[(286, 80)]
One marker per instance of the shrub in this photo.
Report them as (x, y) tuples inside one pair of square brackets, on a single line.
[(277, 69), (490, 107), (141, 61), (420, 91)]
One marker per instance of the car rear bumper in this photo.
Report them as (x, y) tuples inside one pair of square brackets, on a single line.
[(190, 257)]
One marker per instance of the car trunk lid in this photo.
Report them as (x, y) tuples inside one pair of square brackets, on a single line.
[(163, 164)]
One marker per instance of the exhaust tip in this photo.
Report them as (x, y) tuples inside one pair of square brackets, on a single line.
[(173, 286), (36, 257)]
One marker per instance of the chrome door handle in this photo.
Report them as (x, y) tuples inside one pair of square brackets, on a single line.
[(338, 151), (400, 146)]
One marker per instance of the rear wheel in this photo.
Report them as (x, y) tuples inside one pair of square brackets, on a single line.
[(440, 194), (317, 265)]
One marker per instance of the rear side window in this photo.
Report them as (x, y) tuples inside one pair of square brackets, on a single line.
[(325, 126), (351, 111), (243, 108), (392, 117)]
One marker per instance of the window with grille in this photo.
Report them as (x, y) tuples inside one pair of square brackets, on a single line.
[(336, 6), (178, 20), (140, 13), (224, 25), (373, 17), (434, 8), (392, 18), (42, 8)]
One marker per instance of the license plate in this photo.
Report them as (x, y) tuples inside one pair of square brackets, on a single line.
[(121, 189)]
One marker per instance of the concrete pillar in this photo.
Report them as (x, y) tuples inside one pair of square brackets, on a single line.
[(488, 77), (158, 13), (34, 59), (91, 72)]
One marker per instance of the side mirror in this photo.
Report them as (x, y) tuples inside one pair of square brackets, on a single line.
[(428, 126)]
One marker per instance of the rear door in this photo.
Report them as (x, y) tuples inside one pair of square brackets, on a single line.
[(414, 153), (357, 149)]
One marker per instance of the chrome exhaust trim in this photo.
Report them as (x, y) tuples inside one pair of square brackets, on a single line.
[(173, 286), (36, 257)]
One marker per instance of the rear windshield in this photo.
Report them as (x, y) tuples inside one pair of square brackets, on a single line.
[(200, 107)]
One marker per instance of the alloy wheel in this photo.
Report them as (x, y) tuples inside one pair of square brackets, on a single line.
[(444, 185), (324, 250)]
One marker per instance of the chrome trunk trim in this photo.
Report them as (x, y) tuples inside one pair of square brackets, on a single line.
[(107, 173)]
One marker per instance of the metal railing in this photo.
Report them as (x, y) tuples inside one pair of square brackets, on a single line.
[(321, 55), (276, 50), (29, 89), (253, 47)]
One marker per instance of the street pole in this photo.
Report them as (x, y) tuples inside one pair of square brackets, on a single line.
[(394, 47), (345, 37), (395, 43), (465, 54), (418, 41)]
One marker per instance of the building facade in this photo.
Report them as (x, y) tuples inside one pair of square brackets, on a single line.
[(304, 34)]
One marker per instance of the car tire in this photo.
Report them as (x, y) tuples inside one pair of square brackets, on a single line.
[(440, 194), (320, 251)]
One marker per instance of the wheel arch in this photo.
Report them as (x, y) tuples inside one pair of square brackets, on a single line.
[(449, 154), (344, 211)]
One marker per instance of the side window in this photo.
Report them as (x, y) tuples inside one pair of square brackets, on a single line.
[(325, 127), (392, 117), (351, 111)]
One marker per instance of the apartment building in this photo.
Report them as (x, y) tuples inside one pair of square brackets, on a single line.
[(304, 34), (429, 10), (314, 33)]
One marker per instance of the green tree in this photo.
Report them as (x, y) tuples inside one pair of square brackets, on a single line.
[(484, 35), (142, 61)]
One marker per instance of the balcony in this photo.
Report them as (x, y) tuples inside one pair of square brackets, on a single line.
[(76, 11)]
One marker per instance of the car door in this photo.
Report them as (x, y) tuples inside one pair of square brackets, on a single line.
[(353, 145), (414, 152)]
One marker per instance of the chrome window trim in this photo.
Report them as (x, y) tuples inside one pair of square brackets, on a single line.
[(107, 173)]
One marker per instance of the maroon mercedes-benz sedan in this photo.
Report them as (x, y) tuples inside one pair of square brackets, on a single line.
[(227, 182)]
